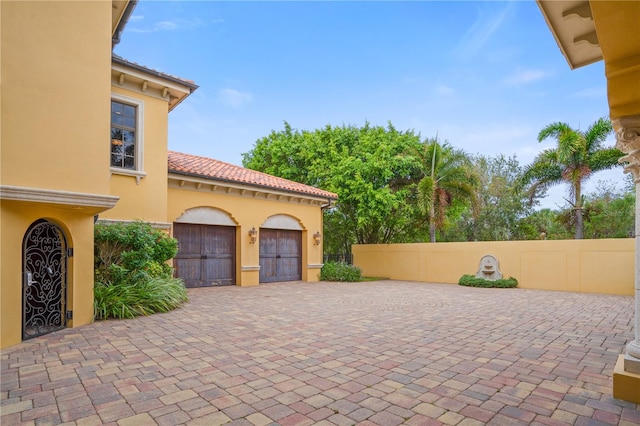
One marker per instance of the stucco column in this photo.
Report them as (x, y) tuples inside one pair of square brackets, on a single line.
[(628, 141)]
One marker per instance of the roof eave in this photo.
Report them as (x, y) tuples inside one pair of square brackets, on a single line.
[(253, 185), (122, 10), (571, 24), (174, 90), (123, 62)]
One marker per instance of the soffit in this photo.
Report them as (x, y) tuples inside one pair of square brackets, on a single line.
[(140, 79), (117, 11), (573, 27)]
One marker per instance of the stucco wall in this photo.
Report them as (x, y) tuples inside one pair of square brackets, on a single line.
[(55, 126), (589, 266), (147, 199), (55, 95), (248, 212), (78, 228)]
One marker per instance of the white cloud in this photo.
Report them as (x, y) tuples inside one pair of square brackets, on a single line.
[(234, 98), (523, 76), (166, 25), (593, 92), (171, 25), (444, 90), (136, 18), (481, 31)]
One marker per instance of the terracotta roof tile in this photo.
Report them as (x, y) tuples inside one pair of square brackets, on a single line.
[(209, 168)]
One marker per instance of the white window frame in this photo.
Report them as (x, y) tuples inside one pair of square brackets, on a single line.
[(138, 172)]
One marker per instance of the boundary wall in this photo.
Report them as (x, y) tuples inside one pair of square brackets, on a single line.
[(604, 266)]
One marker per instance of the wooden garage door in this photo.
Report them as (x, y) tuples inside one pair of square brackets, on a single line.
[(280, 255), (206, 254)]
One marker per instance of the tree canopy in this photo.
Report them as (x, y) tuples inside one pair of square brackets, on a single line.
[(394, 187), (447, 176), (365, 166), (499, 205), (577, 156)]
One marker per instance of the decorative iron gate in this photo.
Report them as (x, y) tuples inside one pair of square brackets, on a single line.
[(44, 284)]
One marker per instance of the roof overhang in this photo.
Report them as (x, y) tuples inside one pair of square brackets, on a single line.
[(140, 79), (587, 31), (571, 23), (223, 187), (121, 10)]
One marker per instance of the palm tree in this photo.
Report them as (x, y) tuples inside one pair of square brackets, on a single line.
[(447, 175), (577, 156)]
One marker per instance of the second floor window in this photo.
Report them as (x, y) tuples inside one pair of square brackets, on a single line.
[(123, 135)]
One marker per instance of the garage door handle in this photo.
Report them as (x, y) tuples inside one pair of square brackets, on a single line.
[(204, 256), (278, 257)]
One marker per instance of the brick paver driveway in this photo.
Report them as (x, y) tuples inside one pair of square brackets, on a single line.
[(384, 353)]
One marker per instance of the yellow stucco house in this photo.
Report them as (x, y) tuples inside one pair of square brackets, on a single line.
[(63, 92), (84, 138)]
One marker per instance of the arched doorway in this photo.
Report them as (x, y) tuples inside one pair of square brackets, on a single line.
[(280, 249), (206, 247), (44, 283)]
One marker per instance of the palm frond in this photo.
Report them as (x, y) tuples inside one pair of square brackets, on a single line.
[(597, 133), (555, 130), (571, 147), (577, 156), (426, 193), (541, 175), (605, 159)]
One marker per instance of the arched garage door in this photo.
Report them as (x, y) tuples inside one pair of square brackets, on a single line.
[(206, 254), (280, 255)]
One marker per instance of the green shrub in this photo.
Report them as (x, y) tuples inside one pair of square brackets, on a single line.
[(131, 276), (132, 251), (338, 271), (125, 300), (472, 281)]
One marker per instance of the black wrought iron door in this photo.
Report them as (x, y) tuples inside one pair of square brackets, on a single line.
[(44, 284)]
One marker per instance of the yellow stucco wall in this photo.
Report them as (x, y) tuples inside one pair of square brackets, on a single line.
[(589, 266), (616, 23), (14, 222), (55, 123), (55, 95), (250, 212), (147, 199)]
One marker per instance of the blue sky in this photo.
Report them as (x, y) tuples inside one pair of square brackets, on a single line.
[(486, 76)]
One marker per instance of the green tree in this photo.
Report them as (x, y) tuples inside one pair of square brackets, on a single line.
[(609, 212), (545, 224), (285, 153), (447, 175), (499, 205), (577, 156), (364, 166)]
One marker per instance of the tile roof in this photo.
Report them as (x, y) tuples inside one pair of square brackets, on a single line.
[(122, 61), (208, 168)]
